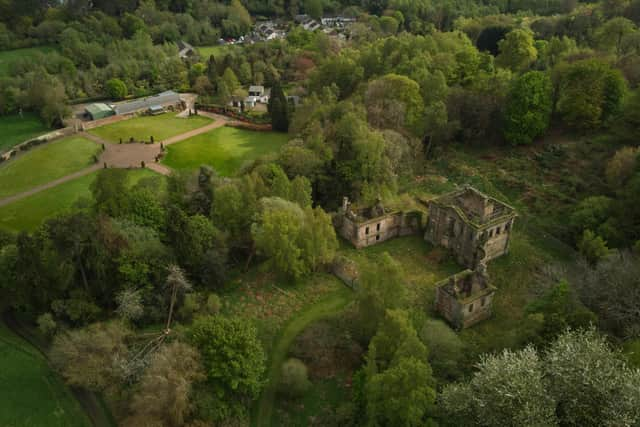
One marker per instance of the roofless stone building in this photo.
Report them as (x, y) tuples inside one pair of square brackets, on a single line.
[(465, 298), (474, 226), (368, 226)]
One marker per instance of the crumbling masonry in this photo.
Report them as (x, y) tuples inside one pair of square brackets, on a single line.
[(366, 227), (476, 228)]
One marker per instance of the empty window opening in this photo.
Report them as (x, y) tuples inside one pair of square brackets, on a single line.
[(378, 227), (470, 308), (483, 301), (366, 230), (378, 237)]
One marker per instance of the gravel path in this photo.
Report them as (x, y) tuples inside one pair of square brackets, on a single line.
[(49, 185)]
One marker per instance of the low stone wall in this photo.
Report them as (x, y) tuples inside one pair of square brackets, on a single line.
[(347, 271), (42, 139), (231, 113)]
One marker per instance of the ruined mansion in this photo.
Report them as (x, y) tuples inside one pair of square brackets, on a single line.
[(475, 227)]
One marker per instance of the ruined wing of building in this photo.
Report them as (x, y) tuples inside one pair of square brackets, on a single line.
[(368, 226)]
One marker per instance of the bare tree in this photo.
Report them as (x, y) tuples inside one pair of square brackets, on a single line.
[(129, 304), (612, 290)]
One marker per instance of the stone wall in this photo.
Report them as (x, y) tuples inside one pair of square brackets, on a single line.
[(464, 299), (471, 245), (377, 230), (42, 139)]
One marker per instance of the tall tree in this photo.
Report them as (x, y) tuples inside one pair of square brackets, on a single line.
[(233, 359), (278, 109), (517, 50), (529, 107), (590, 92)]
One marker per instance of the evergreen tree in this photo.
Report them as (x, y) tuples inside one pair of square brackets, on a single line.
[(279, 109)]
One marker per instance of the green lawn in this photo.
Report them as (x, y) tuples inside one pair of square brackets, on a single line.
[(226, 149), (28, 213), (8, 57), (31, 395), (15, 129), (422, 264), (216, 50), (45, 163), (144, 127)]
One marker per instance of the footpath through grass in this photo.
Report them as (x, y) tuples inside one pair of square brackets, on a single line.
[(15, 129), (332, 304), (29, 213), (45, 163), (144, 127), (30, 392), (225, 148)]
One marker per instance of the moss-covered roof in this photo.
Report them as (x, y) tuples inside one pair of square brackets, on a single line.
[(452, 200)]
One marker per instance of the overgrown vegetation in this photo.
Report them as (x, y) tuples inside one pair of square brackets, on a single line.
[(208, 298)]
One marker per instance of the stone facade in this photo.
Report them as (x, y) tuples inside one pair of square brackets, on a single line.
[(474, 226), (366, 227), (465, 298)]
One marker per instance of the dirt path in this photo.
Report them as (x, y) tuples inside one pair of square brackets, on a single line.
[(219, 121), (330, 305), (49, 185)]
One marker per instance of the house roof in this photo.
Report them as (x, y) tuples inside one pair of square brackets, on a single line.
[(165, 98), (256, 88), (95, 109)]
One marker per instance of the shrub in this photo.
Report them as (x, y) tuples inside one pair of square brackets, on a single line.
[(621, 166), (445, 348), (47, 325), (190, 306), (592, 247), (116, 89), (294, 380), (214, 304)]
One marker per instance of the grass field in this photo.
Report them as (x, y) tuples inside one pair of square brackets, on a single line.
[(217, 50), (226, 149), (27, 214), (31, 395), (8, 57), (142, 128), (15, 129), (45, 163)]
